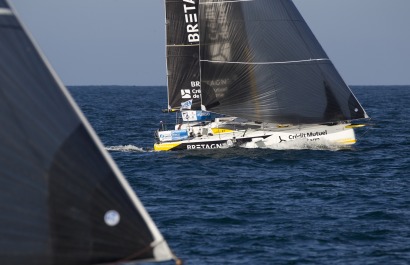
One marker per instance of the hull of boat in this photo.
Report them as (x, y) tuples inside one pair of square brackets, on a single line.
[(278, 138), (304, 138)]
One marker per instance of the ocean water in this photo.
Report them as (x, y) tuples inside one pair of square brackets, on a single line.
[(258, 206)]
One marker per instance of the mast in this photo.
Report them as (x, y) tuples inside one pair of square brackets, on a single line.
[(166, 56)]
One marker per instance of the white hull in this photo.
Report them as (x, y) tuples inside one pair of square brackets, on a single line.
[(307, 137), (250, 135)]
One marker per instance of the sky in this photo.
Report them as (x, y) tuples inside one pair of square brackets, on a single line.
[(122, 42)]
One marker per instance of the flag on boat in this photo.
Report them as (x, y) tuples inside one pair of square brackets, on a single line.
[(186, 104)]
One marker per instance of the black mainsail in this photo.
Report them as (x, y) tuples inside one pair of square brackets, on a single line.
[(63, 199), (260, 61)]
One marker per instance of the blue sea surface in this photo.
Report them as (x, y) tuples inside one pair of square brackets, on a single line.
[(260, 206)]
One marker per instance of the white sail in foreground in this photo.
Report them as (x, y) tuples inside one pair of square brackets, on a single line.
[(62, 198)]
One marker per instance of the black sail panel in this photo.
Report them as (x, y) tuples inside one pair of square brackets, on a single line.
[(63, 199), (87, 238), (260, 61), (183, 53)]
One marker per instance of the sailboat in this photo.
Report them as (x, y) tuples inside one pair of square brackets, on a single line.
[(251, 73), (63, 200)]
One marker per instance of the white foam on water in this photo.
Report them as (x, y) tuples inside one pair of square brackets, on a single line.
[(301, 144), (125, 148)]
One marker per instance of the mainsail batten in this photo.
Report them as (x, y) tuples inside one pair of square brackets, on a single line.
[(250, 63)]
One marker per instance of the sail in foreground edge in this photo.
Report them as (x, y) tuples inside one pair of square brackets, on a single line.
[(260, 61), (62, 199)]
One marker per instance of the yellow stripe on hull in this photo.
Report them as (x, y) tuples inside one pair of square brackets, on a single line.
[(347, 141), (352, 126), (221, 130), (165, 146)]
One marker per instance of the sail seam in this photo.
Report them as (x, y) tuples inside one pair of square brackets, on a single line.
[(285, 62)]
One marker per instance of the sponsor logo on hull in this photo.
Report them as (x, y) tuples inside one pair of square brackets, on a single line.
[(204, 146), (178, 146), (307, 134)]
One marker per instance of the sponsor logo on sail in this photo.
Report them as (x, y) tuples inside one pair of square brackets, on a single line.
[(191, 19), (186, 93)]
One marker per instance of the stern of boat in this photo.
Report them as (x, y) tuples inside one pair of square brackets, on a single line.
[(329, 135)]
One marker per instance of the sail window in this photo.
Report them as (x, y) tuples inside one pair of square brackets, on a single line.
[(112, 218)]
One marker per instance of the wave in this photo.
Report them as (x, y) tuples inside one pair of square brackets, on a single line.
[(301, 144), (125, 148)]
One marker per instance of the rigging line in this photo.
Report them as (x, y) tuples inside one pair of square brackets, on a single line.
[(182, 45), (136, 255), (231, 1), (257, 63), (145, 250)]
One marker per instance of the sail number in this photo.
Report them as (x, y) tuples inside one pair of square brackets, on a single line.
[(191, 18)]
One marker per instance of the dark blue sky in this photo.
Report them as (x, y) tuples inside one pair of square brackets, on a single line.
[(121, 42)]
